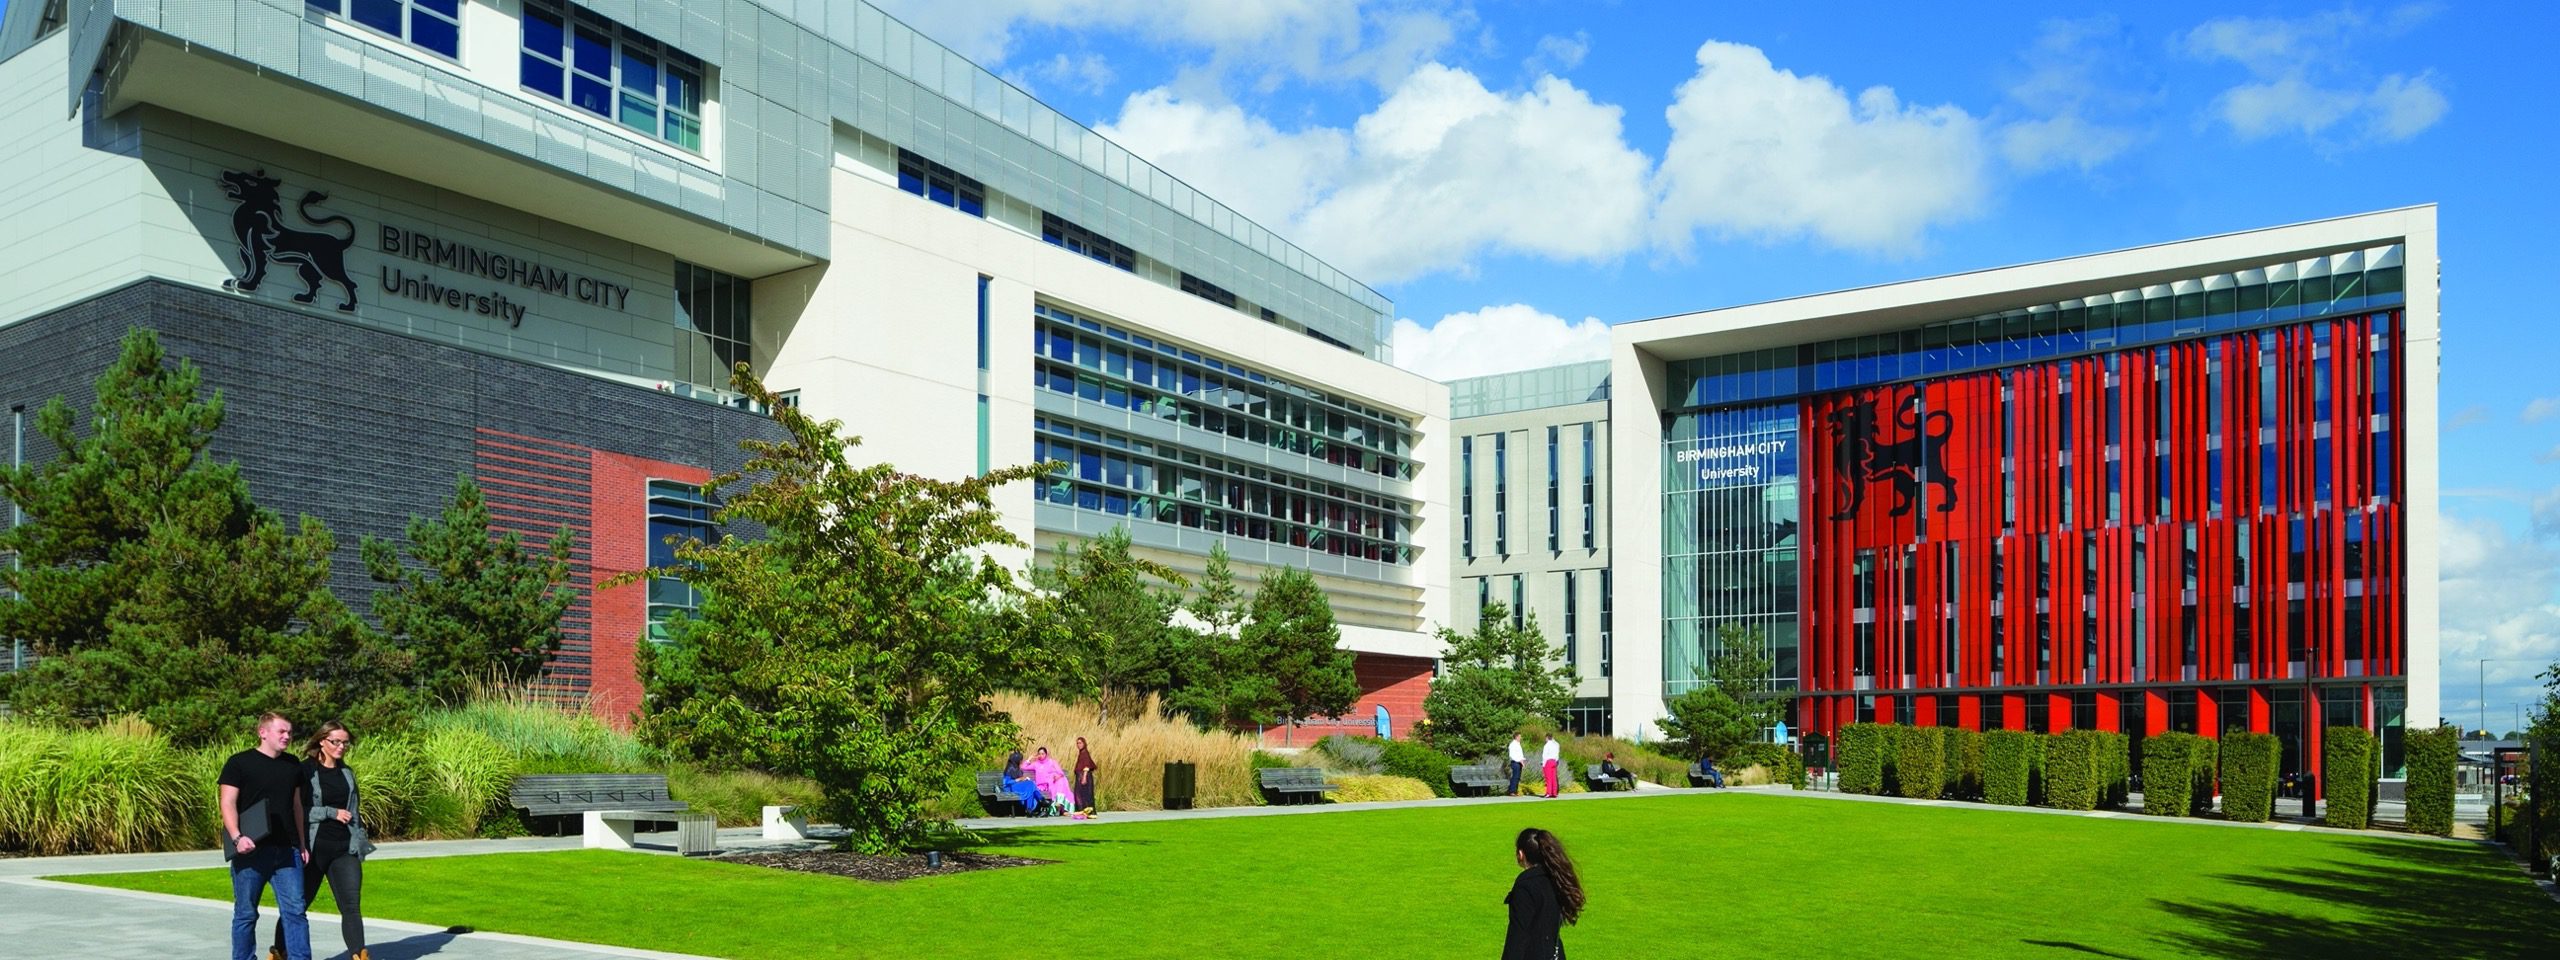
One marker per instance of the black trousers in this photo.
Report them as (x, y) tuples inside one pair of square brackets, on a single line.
[(1084, 791), (345, 874)]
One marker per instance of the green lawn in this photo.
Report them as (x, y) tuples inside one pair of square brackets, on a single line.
[(1751, 875)]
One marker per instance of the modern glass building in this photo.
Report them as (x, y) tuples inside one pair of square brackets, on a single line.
[(526, 240), (2183, 487)]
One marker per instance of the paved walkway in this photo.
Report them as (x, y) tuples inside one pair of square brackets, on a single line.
[(48, 919)]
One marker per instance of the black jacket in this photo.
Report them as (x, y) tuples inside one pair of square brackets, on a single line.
[(1537, 918)]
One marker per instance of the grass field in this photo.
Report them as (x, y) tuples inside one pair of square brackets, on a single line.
[(1670, 876)]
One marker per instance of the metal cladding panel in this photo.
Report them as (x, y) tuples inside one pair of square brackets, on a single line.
[(454, 106), (703, 36), (212, 23), (560, 143), (509, 127), (395, 84), (332, 62), (775, 159), (662, 20), (614, 164), (656, 179), (269, 37)]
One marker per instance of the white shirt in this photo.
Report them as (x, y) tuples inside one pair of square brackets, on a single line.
[(1551, 753), (1516, 755)]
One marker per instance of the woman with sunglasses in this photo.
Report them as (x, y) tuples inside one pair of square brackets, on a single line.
[(336, 837)]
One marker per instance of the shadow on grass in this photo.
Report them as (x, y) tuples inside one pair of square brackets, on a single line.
[(2079, 947), (1050, 838), (2425, 899)]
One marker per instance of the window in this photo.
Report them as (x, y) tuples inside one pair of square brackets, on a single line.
[(1061, 232), (940, 184), (1519, 601), (1604, 622), (431, 25), (1467, 497), (1502, 494), (1587, 540), (677, 512), (609, 70), (1572, 606), (1208, 291), (1555, 517), (714, 305), (49, 19)]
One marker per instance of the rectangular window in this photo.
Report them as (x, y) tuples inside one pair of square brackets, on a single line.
[(716, 330), (1467, 497), (1208, 291), (1605, 649), (1502, 494), (940, 184), (1588, 540), (1555, 514), (1519, 601), (1064, 233), (431, 25), (610, 70), (1572, 606), (677, 512)]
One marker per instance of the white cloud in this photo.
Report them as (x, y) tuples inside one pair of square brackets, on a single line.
[(2471, 416), (1442, 172), (2546, 515), (2307, 80), (1762, 152), (2541, 408), (1497, 339), (2501, 601), (1088, 73), (1559, 54), (2069, 81)]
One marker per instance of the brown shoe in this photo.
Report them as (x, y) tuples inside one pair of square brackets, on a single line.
[(275, 953), (360, 954)]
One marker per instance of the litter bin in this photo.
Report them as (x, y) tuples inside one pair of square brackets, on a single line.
[(1181, 782)]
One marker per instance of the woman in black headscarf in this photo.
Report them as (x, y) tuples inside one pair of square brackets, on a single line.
[(1085, 770), (1544, 897)]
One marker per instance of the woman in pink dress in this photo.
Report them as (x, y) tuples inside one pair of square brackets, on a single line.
[(1056, 789)]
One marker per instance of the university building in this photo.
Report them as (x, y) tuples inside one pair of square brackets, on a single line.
[(524, 240), (2184, 487)]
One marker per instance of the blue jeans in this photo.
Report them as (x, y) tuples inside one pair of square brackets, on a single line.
[(279, 868), (1514, 789)]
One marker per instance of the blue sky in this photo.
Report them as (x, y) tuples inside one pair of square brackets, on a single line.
[(1517, 175)]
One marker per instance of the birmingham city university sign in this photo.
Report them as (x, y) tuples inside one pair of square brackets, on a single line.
[(317, 256)]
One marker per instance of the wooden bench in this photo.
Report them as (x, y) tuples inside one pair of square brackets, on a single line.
[(998, 801), (611, 807), (1592, 776), (1479, 780), (1285, 785)]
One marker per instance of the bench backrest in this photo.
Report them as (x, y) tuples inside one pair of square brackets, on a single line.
[(1477, 774), (554, 793), (1288, 777), (991, 783)]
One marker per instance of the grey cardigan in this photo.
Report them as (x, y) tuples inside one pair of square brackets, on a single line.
[(357, 844)]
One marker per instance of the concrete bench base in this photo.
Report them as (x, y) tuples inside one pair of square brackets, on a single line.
[(785, 823), (697, 834)]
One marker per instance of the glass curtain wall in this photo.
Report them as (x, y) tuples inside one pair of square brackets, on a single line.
[(1729, 540)]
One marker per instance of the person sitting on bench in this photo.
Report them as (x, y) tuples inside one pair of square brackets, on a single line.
[(1018, 782), (1707, 771), (1609, 768)]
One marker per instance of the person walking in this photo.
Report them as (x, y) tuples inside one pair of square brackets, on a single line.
[(335, 835), (1519, 758), (259, 798), (1544, 897), (1548, 757), (1085, 771)]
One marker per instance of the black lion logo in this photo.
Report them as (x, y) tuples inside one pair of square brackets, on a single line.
[(1862, 460), (264, 236)]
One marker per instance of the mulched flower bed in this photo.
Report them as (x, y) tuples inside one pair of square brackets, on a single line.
[(880, 869)]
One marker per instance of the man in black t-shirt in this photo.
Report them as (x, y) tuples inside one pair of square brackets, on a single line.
[(262, 808)]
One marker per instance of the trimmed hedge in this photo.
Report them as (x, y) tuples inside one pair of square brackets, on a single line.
[(2347, 760), (2173, 766), (1782, 764), (2432, 756), (2008, 761), (2249, 762), (2072, 767), (1920, 762), (1964, 764), (1863, 748)]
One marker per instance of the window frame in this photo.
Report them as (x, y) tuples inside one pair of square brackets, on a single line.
[(671, 71), (410, 10)]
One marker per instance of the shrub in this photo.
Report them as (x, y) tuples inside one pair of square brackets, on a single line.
[(117, 788), (1964, 763), (2432, 756), (1366, 787), (467, 774), (2072, 766), (1640, 760), (2249, 762), (1351, 754), (2203, 762), (1778, 765), (1864, 749), (545, 733), (2347, 762), (2007, 758), (1920, 762), (2168, 774), (2115, 768), (1133, 748), (1405, 758)]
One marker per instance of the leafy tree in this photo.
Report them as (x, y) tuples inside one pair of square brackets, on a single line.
[(1290, 664), (1218, 605), (481, 608), (153, 585), (1494, 680), (1114, 612), (1729, 707), (857, 643)]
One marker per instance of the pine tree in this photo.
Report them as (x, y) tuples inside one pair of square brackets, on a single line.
[(1293, 665), (1494, 680), (475, 608), (1729, 707), (153, 585), (853, 644), (1114, 611), (1218, 605)]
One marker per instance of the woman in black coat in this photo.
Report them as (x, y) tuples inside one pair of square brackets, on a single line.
[(1546, 896)]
